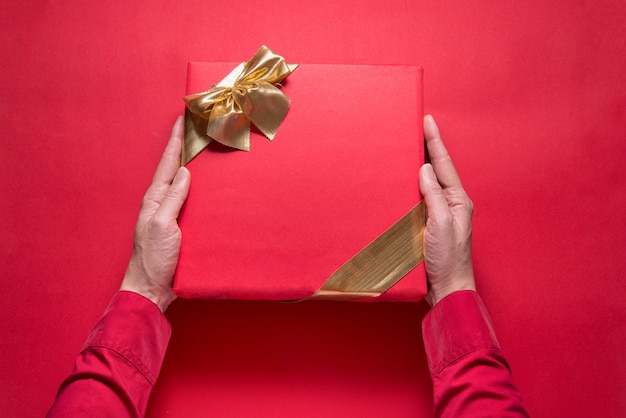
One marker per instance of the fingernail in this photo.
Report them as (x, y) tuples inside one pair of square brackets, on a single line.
[(429, 172), (180, 174), (430, 119)]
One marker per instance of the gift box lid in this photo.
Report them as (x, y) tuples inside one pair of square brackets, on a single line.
[(277, 221)]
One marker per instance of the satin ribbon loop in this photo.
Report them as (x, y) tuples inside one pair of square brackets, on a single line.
[(224, 113)]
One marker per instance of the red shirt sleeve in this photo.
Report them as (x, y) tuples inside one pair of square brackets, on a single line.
[(470, 376), (115, 371)]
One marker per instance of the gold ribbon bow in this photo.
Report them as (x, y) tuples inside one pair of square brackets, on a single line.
[(224, 112)]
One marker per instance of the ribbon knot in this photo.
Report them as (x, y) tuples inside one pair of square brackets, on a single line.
[(224, 112)]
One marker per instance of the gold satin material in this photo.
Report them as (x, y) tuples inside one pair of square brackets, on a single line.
[(224, 113), (382, 263)]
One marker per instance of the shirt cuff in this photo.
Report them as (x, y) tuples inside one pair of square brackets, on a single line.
[(134, 327), (458, 325)]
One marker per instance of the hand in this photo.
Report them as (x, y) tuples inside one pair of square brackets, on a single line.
[(157, 237), (448, 235)]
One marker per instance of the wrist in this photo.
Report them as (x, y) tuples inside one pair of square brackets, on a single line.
[(161, 300), (161, 296), (437, 293)]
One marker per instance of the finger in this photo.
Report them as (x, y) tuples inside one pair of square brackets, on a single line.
[(170, 161), (440, 159), (436, 202), (175, 196)]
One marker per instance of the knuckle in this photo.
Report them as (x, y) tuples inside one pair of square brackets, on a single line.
[(174, 193), (146, 201), (441, 218), (433, 189), (470, 206), (150, 198), (160, 222)]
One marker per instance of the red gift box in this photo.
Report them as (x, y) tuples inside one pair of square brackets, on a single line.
[(277, 221)]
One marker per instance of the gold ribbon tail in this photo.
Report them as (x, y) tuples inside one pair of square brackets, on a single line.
[(382, 263)]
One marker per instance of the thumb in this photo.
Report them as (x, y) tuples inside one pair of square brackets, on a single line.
[(176, 195), (436, 202)]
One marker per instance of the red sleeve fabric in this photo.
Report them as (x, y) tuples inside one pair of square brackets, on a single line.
[(114, 373), (470, 376)]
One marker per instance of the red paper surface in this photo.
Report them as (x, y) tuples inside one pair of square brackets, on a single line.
[(276, 222)]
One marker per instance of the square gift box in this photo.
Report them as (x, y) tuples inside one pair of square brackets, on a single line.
[(275, 222)]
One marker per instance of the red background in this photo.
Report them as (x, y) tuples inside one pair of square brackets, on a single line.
[(530, 96)]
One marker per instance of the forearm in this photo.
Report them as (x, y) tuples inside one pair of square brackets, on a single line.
[(118, 366), (470, 375)]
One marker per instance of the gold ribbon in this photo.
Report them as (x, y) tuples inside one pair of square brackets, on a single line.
[(224, 112), (380, 265)]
